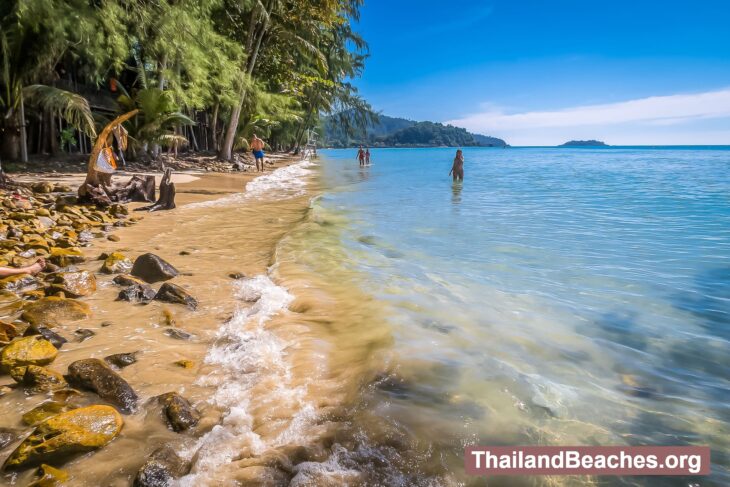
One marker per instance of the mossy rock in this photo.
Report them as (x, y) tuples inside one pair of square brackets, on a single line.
[(8, 331), (44, 411), (49, 477), (52, 310), (66, 257), (39, 379), (18, 282), (43, 187), (75, 284), (60, 437), (116, 263), (32, 350), (125, 280)]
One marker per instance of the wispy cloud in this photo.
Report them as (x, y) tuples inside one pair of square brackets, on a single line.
[(655, 110)]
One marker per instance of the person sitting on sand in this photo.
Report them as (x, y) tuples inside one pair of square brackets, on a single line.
[(367, 156), (31, 269), (257, 146), (361, 156), (458, 168)]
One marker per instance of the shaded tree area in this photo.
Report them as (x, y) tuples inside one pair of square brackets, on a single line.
[(204, 74)]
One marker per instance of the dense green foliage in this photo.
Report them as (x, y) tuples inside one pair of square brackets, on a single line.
[(204, 73), (400, 132), (583, 143)]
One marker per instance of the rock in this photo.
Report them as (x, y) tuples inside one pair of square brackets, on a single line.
[(75, 284), (185, 364), (18, 282), (33, 350), (172, 293), (104, 324), (83, 334), (49, 477), (127, 280), (52, 310), (43, 187), (39, 379), (53, 337), (8, 331), (260, 476), (237, 275), (44, 411), (121, 360), (137, 292), (67, 434), (179, 413), (7, 436), (116, 263), (66, 257), (184, 252), (163, 466), (95, 375), (152, 268), (178, 334), (113, 238)]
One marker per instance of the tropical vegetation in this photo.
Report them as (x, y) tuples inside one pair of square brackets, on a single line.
[(205, 74)]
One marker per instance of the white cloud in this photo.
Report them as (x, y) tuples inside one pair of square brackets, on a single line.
[(554, 126)]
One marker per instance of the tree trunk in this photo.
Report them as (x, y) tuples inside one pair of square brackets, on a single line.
[(214, 126), (23, 133)]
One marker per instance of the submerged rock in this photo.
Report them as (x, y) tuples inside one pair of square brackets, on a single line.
[(49, 477), (185, 364), (237, 275), (52, 310), (95, 375), (179, 413), (7, 436), (32, 350), (137, 292), (172, 293), (152, 268), (121, 360), (83, 334), (178, 334), (67, 434), (163, 466), (75, 284), (50, 335), (116, 263), (44, 411)]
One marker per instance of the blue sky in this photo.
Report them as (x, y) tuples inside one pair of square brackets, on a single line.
[(539, 72)]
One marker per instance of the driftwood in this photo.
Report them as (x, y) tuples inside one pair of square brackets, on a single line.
[(166, 201)]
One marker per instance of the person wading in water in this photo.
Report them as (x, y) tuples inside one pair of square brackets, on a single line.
[(361, 156), (458, 168), (257, 146)]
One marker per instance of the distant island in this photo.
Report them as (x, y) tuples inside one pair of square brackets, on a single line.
[(400, 132), (584, 143)]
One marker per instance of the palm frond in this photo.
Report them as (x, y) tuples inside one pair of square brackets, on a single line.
[(72, 107)]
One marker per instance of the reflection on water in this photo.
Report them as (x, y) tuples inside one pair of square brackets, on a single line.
[(456, 188)]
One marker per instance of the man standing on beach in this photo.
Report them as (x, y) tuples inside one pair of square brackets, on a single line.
[(257, 146)]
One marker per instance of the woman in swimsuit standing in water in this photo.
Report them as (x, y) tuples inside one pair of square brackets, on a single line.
[(458, 168)]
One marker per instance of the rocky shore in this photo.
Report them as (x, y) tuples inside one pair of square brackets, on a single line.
[(84, 402)]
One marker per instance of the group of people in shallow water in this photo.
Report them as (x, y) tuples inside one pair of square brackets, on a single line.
[(457, 169)]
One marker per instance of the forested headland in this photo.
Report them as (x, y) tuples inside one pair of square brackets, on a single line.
[(204, 74)]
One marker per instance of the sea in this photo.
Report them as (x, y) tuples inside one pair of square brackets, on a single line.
[(556, 296)]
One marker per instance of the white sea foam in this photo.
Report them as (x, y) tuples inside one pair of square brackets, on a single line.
[(244, 355), (285, 182)]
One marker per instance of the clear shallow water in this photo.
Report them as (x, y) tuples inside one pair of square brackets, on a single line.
[(558, 296)]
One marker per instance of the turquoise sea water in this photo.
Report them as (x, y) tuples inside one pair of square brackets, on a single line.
[(557, 296)]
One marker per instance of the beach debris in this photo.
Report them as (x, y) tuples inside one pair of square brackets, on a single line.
[(166, 201), (95, 375), (116, 263), (152, 269), (161, 469), (137, 292), (53, 310), (172, 293), (74, 284), (179, 413), (178, 334), (38, 379), (33, 350), (50, 335), (65, 435), (83, 334), (49, 477), (121, 360)]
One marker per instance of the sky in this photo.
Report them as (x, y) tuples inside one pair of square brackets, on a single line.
[(541, 72)]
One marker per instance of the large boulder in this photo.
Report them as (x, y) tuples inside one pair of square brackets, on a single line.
[(52, 310), (116, 263), (152, 268), (95, 375), (32, 350), (75, 284), (179, 413), (161, 469), (65, 435), (172, 293)]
